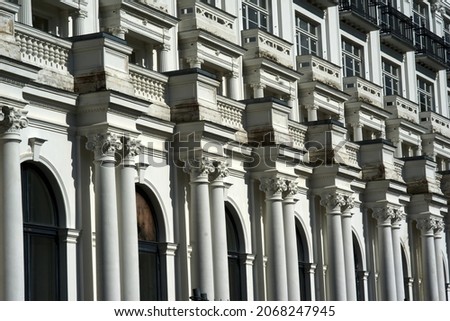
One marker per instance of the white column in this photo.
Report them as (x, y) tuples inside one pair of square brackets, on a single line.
[(258, 90), (398, 150), (104, 146), (357, 132), (129, 251), (312, 112), (12, 284), (25, 12), (398, 264), (426, 227), (219, 232), (195, 62), (202, 253), (164, 56), (293, 282), (311, 269), (347, 235), (384, 215), (234, 85), (442, 287), (335, 246), (274, 239), (79, 20)]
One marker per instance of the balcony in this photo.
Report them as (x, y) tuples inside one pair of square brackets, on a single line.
[(198, 15), (260, 44), (402, 108), (323, 4), (396, 29), (430, 49), (298, 134), (435, 123), (364, 91), (148, 84), (360, 14), (314, 68)]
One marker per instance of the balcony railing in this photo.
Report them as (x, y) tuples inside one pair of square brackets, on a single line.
[(148, 84), (402, 108), (431, 45), (361, 9), (42, 49), (260, 44), (231, 111), (198, 15), (435, 123), (393, 22), (315, 68), (363, 90), (298, 134)]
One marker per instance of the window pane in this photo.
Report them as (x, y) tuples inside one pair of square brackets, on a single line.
[(148, 276), (42, 268), (145, 219)]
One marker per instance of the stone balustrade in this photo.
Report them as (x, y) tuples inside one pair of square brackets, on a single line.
[(199, 15), (402, 108), (260, 44), (42, 49), (364, 91), (435, 123), (148, 84), (314, 68), (231, 111)]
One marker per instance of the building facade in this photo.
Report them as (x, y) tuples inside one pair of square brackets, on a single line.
[(247, 150)]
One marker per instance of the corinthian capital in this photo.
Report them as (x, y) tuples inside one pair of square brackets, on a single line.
[(220, 170), (293, 187), (385, 214), (131, 147), (427, 225), (272, 185), (334, 199), (201, 167), (104, 144), (12, 119)]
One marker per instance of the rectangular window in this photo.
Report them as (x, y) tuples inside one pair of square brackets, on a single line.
[(352, 59), (391, 78), (425, 94), (420, 14), (307, 36), (255, 14)]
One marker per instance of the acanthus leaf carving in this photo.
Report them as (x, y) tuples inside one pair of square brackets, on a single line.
[(12, 119)]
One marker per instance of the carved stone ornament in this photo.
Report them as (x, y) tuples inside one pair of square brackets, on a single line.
[(202, 166), (131, 147), (293, 187), (272, 185), (386, 214), (220, 169), (12, 119), (440, 225), (333, 200), (398, 216), (104, 144), (427, 224)]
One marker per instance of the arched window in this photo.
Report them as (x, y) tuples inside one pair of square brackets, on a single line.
[(303, 265), (359, 269), (235, 267), (149, 254), (43, 251)]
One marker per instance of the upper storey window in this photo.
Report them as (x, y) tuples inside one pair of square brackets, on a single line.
[(352, 59), (425, 94), (255, 14), (420, 14), (391, 78), (307, 36)]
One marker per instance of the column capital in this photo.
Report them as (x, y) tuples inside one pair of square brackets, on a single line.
[(80, 14), (311, 106), (194, 62), (118, 31), (385, 215), (12, 119), (440, 227), (220, 170), (292, 188), (258, 86), (104, 145), (201, 167), (427, 225), (397, 218), (131, 147), (272, 185), (335, 199)]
